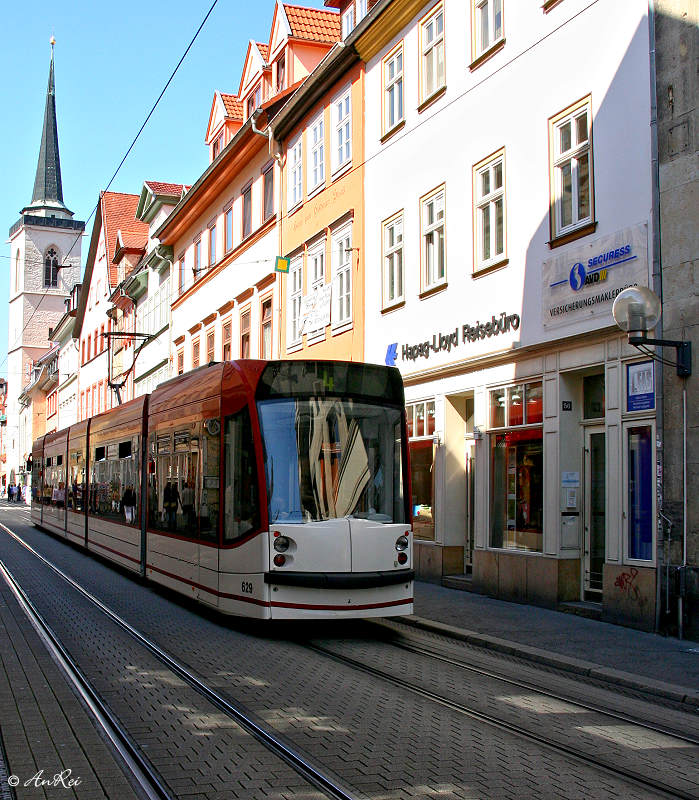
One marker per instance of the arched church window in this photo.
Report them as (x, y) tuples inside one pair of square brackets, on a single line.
[(51, 268)]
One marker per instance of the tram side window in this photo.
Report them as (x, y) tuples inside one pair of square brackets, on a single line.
[(183, 482), (37, 477), (114, 481), (240, 504), (76, 474), (54, 493)]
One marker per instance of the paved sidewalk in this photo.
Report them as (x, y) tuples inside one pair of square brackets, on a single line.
[(47, 733), (665, 666)]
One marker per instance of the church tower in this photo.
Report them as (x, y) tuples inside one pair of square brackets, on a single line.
[(45, 247)]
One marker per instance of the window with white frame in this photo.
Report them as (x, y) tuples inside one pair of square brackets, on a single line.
[(348, 21), (247, 211), (393, 260), (342, 130), (489, 210), (342, 272), (488, 28), (197, 258), (572, 197), (212, 244), (316, 152), (268, 192), (295, 173), (393, 89), (361, 9), (295, 284), (316, 274), (432, 75), (434, 267)]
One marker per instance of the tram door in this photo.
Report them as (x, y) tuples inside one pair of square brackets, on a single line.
[(595, 520)]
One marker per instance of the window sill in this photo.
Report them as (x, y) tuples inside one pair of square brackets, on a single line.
[(487, 54), (488, 268), (316, 190), (425, 293), (342, 328), (294, 347), (314, 337), (393, 131), (294, 209), (578, 233), (431, 99), (338, 172), (549, 4), (393, 307)]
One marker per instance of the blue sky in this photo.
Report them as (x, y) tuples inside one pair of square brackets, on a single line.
[(111, 62)]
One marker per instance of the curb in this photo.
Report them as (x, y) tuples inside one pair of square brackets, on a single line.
[(668, 691)]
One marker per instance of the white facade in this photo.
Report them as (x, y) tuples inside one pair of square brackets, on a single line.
[(228, 294), (506, 303)]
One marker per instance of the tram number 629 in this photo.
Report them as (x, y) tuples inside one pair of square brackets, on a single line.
[(246, 587)]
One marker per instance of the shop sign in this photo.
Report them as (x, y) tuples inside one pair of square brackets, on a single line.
[(582, 283), (446, 342), (640, 386)]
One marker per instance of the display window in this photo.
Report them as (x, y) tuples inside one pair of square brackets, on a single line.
[(517, 468), (421, 427)]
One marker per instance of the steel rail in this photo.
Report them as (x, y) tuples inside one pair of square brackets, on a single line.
[(140, 768), (660, 788), (294, 758), (586, 705)]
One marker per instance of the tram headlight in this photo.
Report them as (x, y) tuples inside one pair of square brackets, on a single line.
[(402, 543), (281, 544)]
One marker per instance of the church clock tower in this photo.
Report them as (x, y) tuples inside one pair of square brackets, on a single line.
[(45, 245)]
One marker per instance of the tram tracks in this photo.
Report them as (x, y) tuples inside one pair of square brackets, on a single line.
[(143, 772), (634, 777), (629, 776)]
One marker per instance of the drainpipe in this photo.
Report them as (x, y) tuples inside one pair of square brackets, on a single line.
[(658, 289)]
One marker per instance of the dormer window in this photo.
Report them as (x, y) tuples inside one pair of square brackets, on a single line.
[(255, 99), (281, 73), (217, 147), (348, 21)]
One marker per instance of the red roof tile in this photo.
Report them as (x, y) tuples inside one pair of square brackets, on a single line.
[(171, 189), (119, 214), (264, 49), (314, 24), (234, 108)]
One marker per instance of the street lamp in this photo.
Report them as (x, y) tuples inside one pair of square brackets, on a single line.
[(636, 311)]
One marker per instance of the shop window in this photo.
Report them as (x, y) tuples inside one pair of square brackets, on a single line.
[(640, 493), (516, 460), (421, 426)]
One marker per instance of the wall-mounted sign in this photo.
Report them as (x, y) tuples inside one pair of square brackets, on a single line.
[(640, 386), (582, 283), (504, 323), (566, 405), (315, 309)]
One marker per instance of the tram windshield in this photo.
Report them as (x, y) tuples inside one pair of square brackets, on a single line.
[(332, 457)]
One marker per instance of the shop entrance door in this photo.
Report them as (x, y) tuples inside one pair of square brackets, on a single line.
[(595, 519), (470, 500)]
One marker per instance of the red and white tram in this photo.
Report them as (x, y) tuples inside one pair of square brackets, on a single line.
[(274, 490)]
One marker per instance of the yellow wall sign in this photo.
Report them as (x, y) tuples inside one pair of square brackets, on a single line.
[(281, 264)]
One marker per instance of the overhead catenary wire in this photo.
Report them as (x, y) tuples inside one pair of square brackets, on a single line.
[(116, 171)]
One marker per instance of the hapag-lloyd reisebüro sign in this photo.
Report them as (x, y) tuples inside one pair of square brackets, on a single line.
[(582, 283), (440, 342)]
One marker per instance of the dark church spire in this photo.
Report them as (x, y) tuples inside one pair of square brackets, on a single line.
[(48, 190)]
